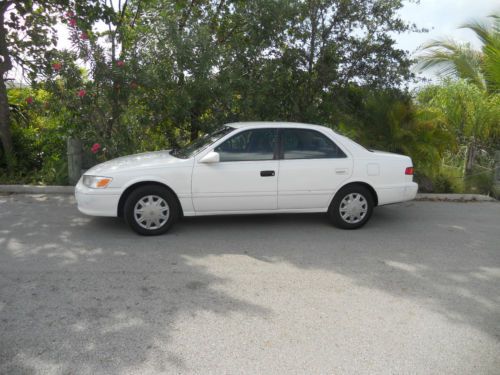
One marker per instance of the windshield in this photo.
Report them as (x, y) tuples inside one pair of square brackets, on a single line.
[(201, 143)]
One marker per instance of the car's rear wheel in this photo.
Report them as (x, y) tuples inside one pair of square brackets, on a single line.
[(151, 210), (352, 207)]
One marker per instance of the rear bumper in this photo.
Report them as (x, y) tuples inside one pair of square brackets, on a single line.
[(97, 202), (395, 194)]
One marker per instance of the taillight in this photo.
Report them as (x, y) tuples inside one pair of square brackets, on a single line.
[(409, 171)]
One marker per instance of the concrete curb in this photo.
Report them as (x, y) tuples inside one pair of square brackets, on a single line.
[(454, 197), (36, 189)]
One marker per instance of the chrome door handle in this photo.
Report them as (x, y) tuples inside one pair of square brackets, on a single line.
[(341, 171)]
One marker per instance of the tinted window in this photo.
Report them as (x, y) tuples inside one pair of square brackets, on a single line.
[(308, 144), (256, 144)]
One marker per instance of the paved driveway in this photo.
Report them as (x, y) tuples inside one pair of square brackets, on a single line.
[(417, 291)]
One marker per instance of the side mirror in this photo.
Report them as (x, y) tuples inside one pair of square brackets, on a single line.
[(211, 157)]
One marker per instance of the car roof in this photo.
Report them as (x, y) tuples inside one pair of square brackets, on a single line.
[(284, 124)]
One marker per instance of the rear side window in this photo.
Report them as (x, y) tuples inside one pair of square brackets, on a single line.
[(308, 144), (255, 144)]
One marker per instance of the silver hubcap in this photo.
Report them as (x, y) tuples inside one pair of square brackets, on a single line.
[(353, 208), (151, 212)]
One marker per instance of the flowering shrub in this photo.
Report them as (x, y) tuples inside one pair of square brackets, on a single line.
[(92, 104), (95, 148)]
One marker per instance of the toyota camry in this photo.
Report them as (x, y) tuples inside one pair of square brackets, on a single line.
[(248, 168)]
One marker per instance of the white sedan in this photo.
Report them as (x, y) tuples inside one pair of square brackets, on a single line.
[(248, 168)]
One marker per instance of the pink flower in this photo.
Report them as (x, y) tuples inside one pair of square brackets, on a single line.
[(72, 22), (95, 148), (120, 63), (29, 99), (81, 93), (56, 66), (70, 14), (84, 36)]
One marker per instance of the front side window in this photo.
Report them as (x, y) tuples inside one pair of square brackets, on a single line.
[(201, 143), (255, 144), (308, 144)]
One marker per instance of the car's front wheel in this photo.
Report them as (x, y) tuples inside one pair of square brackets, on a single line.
[(351, 207), (151, 210)]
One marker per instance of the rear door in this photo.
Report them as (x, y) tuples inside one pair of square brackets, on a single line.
[(312, 167), (245, 178)]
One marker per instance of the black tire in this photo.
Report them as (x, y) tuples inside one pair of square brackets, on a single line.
[(366, 201), (151, 191)]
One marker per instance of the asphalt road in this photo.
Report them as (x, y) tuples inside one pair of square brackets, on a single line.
[(417, 291)]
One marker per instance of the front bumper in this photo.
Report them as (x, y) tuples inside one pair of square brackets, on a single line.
[(97, 202)]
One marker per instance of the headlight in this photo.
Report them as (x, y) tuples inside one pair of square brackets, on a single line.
[(96, 182)]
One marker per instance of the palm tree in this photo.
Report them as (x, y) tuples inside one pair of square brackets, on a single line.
[(490, 37), (480, 68), (455, 59)]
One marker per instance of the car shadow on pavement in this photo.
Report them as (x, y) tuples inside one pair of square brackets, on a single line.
[(87, 295)]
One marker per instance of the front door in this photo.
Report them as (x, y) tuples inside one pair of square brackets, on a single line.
[(245, 178)]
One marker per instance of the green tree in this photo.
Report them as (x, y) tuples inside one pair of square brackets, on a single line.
[(215, 60), (323, 47)]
